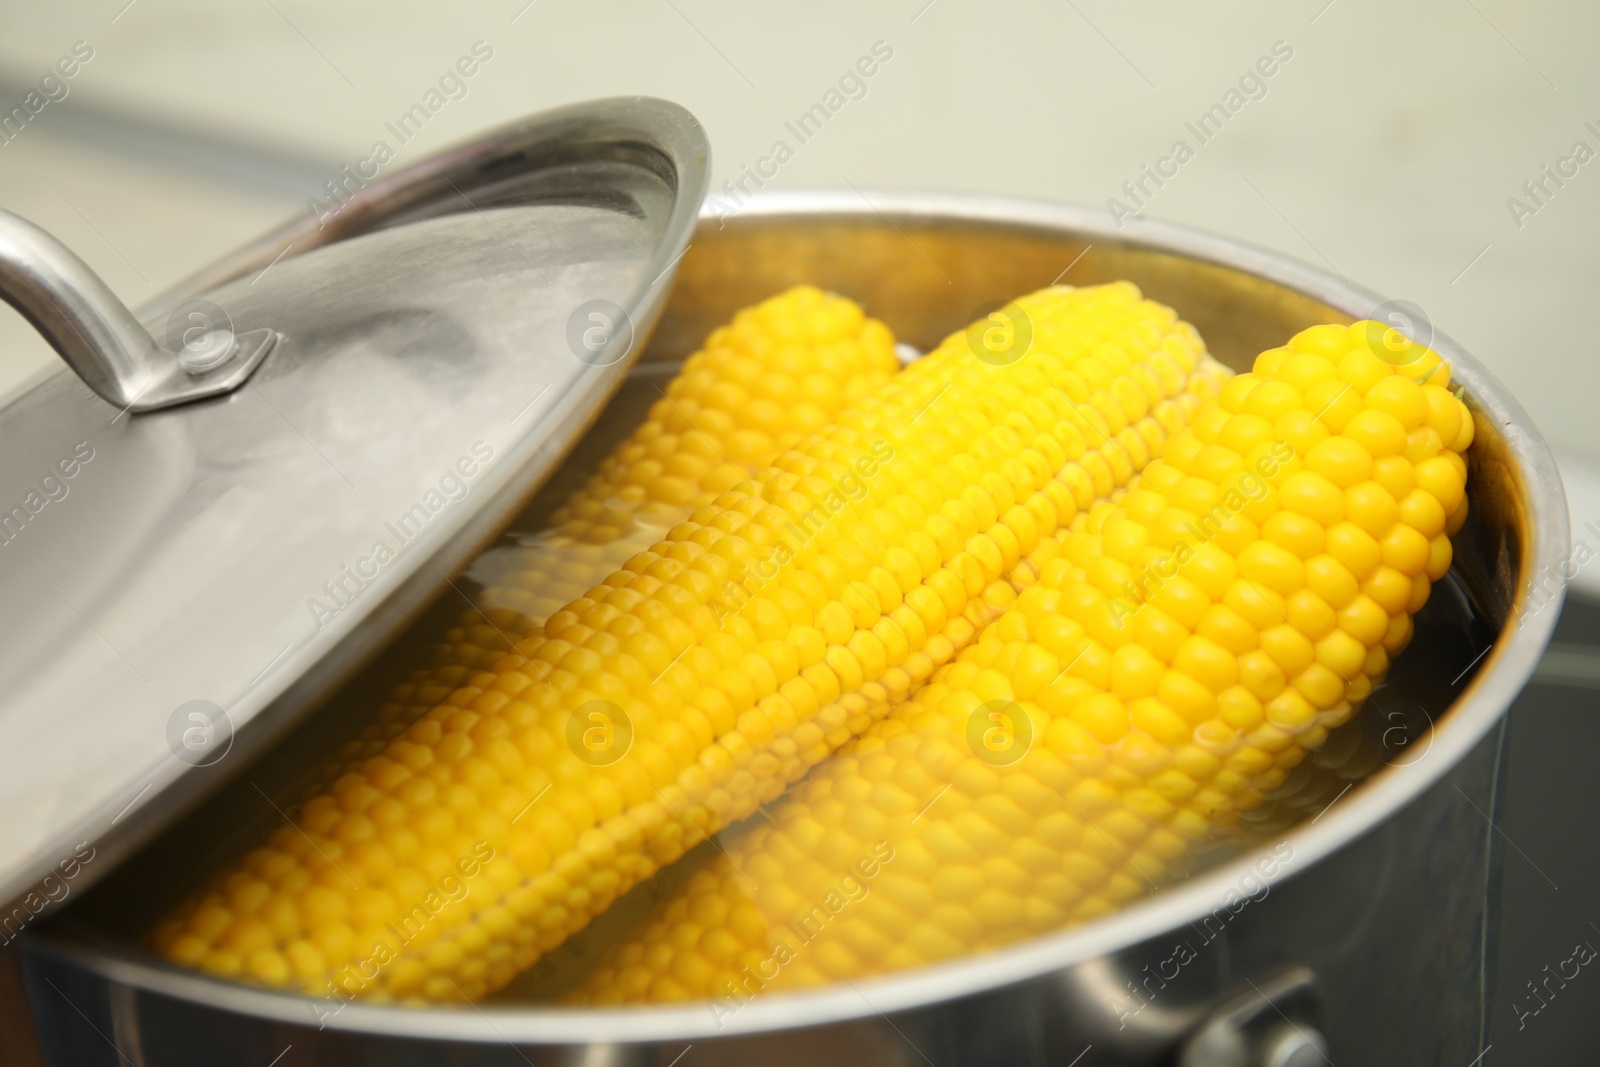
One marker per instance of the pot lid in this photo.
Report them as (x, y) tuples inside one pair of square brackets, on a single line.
[(246, 489)]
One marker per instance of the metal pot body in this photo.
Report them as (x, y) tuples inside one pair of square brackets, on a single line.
[(1383, 945), (1359, 931)]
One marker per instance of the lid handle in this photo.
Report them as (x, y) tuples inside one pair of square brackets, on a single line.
[(103, 341)]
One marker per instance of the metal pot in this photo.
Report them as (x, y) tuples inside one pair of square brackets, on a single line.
[(1360, 935)]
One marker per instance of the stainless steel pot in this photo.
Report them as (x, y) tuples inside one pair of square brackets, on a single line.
[(1359, 934)]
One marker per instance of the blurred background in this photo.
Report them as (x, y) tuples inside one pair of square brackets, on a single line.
[(1441, 152)]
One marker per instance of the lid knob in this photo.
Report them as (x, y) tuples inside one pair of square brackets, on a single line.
[(103, 341)]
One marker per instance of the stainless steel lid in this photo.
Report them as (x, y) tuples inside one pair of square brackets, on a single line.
[(268, 472)]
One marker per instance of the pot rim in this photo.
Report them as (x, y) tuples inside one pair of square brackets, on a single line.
[(1507, 666)]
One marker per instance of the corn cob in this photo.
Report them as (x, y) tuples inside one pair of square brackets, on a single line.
[(856, 556), (1195, 642), (779, 371)]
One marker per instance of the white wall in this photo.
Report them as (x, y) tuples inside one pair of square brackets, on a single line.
[(1387, 147)]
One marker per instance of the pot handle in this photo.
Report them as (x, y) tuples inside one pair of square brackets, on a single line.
[(1272, 1024), (103, 341)]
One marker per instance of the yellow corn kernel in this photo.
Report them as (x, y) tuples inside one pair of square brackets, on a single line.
[(779, 371), (1100, 786), (669, 701)]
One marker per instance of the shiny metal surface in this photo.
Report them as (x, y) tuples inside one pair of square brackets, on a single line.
[(1271, 1024), (1394, 878), (183, 585), (104, 342)]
